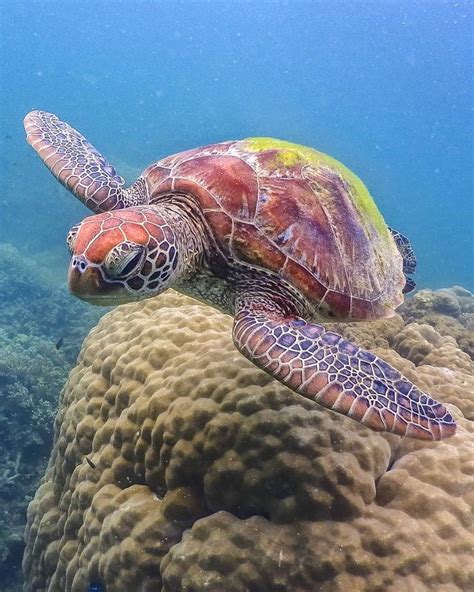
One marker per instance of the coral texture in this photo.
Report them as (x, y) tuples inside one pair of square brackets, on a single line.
[(178, 466), (450, 311)]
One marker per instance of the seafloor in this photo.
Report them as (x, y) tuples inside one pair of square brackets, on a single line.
[(178, 466)]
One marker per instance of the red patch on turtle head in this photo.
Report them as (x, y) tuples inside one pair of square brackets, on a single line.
[(87, 231), (102, 243), (98, 234), (135, 233)]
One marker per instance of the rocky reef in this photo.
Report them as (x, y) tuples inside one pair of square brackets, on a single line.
[(179, 466), (41, 328)]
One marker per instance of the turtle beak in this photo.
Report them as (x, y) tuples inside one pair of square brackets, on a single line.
[(86, 282)]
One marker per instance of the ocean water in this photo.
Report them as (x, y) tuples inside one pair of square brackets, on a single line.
[(383, 86)]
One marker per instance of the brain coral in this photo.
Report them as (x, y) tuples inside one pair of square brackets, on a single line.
[(180, 467)]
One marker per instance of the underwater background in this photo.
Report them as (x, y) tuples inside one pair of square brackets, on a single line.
[(385, 87)]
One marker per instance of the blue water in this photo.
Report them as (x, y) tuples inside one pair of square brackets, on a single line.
[(385, 87)]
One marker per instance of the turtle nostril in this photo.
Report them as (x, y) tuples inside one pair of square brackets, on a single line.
[(79, 263)]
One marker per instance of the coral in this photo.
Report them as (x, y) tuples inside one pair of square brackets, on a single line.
[(450, 311), (33, 368), (179, 466), (32, 304), (422, 344), (379, 333)]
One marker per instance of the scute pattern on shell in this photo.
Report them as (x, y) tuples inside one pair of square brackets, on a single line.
[(209, 475), (297, 212)]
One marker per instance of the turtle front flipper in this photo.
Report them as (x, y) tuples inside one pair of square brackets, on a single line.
[(325, 368), (79, 166)]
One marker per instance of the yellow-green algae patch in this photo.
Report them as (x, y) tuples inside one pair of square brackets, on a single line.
[(289, 154)]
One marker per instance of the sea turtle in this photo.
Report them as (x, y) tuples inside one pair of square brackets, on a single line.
[(276, 234)]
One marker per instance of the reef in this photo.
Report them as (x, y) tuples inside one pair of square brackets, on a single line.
[(41, 327), (450, 311), (179, 466)]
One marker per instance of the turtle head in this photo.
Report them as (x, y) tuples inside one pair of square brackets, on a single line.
[(121, 256)]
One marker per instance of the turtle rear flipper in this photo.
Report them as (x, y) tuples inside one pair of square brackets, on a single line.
[(409, 258), (79, 166)]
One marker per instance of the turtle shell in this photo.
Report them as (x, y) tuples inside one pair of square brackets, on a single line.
[(296, 212)]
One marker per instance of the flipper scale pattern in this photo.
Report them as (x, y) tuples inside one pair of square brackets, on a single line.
[(76, 163), (323, 366)]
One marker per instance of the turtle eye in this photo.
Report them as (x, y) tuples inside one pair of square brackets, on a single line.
[(71, 238), (124, 260)]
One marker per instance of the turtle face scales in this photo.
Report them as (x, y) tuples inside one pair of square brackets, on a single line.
[(121, 256)]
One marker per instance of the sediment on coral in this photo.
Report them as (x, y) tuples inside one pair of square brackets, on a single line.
[(178, 465)]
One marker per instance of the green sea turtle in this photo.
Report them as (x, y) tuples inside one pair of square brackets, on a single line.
[(273, 233)]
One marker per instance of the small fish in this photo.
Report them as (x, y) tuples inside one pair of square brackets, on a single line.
[(95, 587), (90, 463), (59, 343)]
